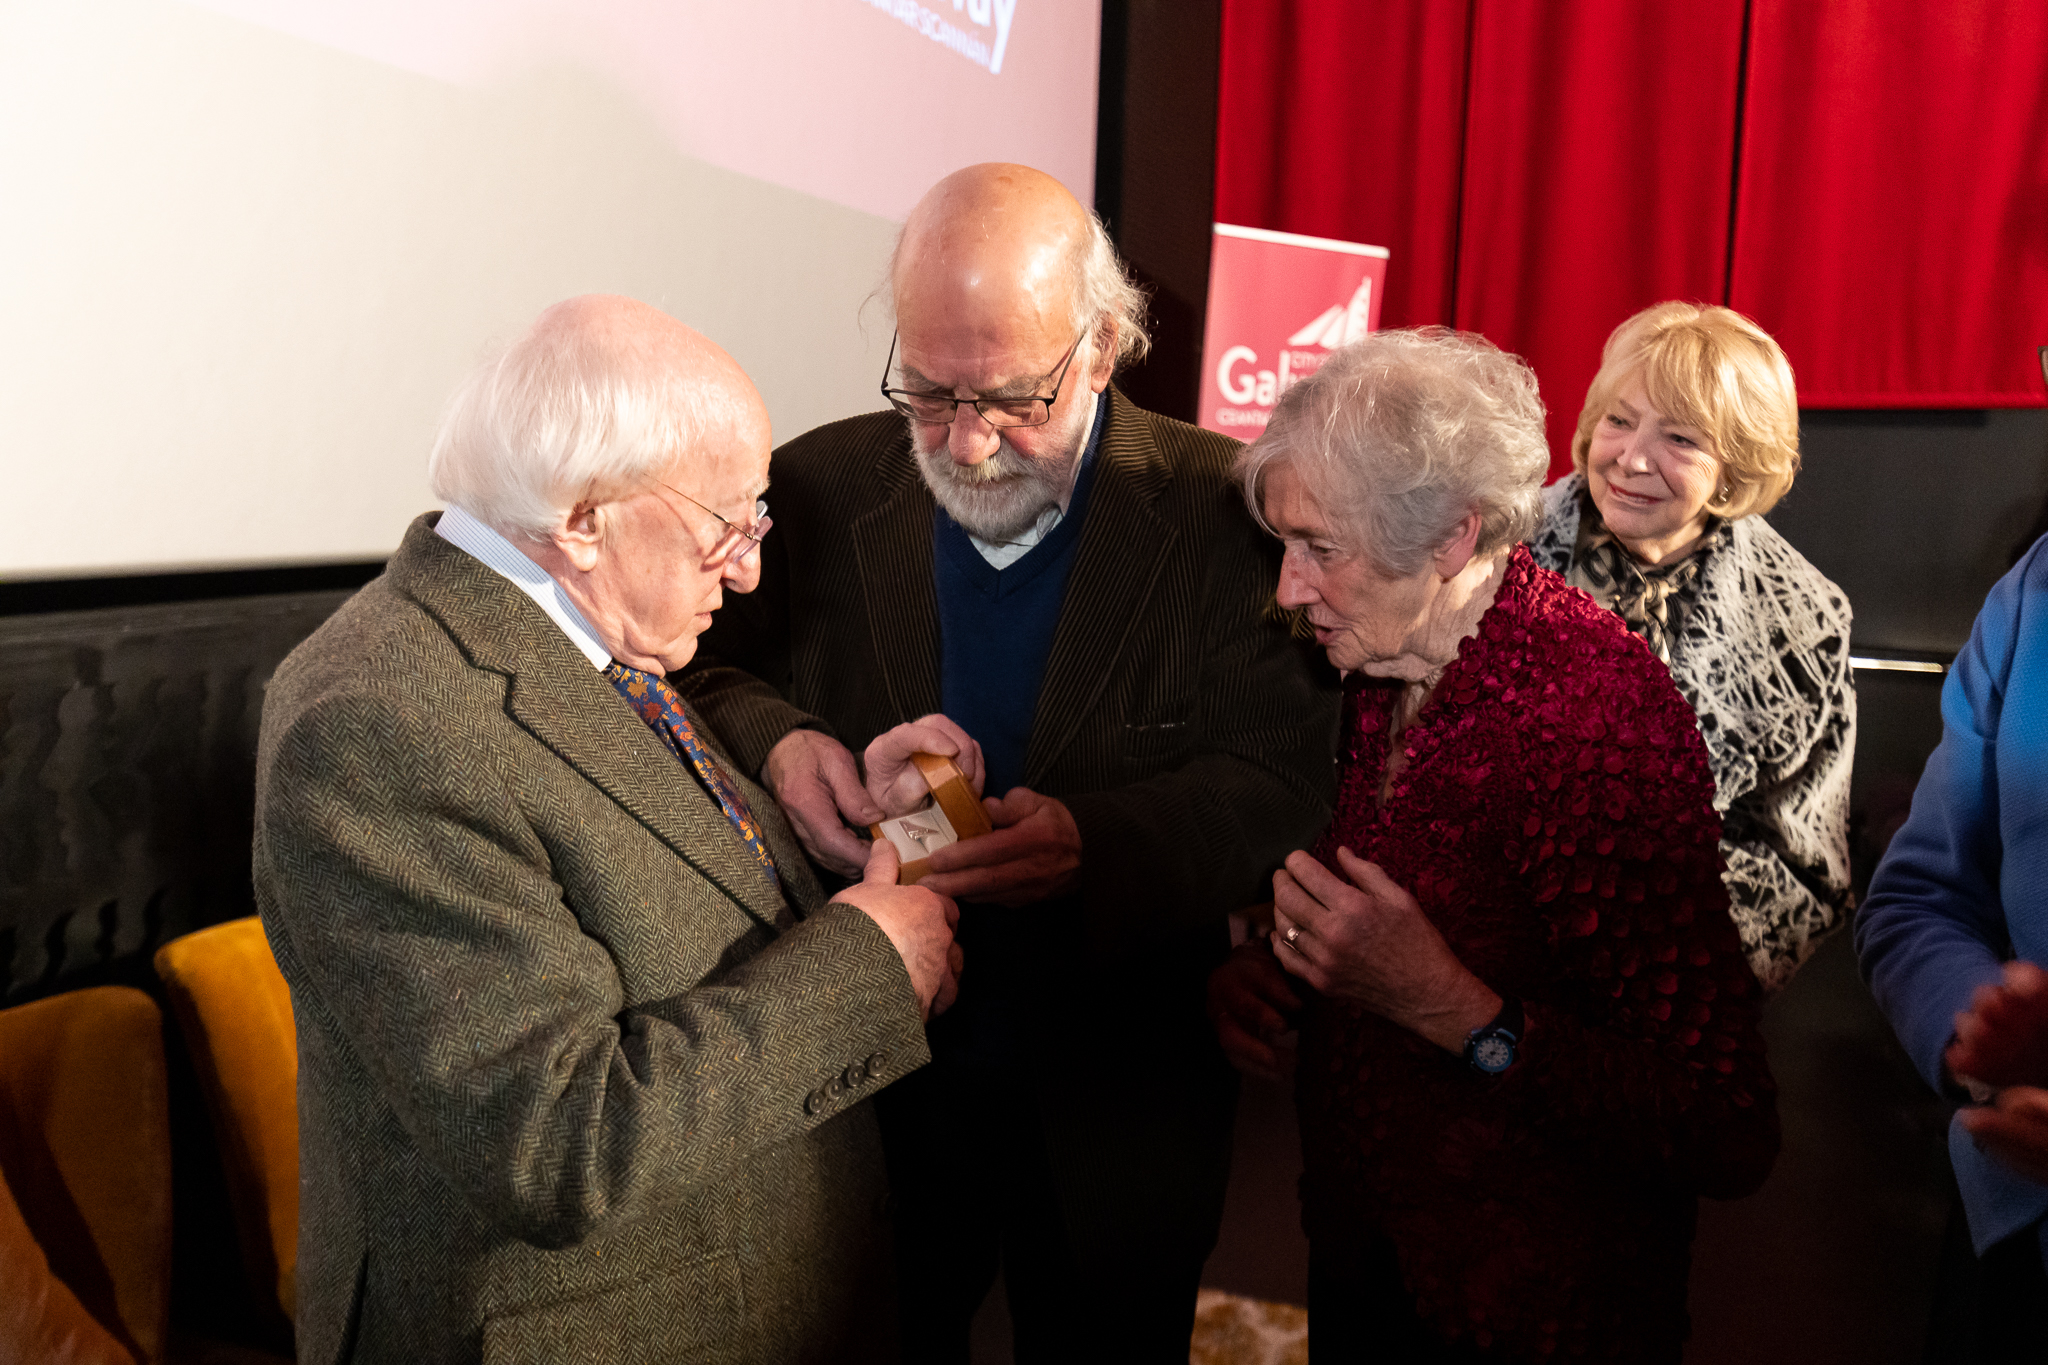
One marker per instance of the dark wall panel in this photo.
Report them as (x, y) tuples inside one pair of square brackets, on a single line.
[(1156, 177), (1916, 514), (127, 743)]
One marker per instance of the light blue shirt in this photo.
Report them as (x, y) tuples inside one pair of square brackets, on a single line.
[(467, 534)]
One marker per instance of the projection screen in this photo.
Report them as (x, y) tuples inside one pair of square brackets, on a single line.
[(252, 245)]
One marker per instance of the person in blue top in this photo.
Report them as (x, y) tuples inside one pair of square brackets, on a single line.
[(1955, 923)]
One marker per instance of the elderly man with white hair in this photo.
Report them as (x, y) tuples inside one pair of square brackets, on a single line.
[(1066, 589), (585, 1053)]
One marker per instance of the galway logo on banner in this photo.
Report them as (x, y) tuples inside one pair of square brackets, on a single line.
[(1279, 303)]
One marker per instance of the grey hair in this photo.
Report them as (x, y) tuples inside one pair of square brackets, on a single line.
[(563, 415), (1401, 434), (1104, 292)]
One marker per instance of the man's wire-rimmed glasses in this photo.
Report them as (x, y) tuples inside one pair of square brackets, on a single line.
[(939, 408), (739, 543)]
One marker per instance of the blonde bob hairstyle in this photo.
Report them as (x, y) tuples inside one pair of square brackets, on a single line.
[(1714, 369), (1400, 435)]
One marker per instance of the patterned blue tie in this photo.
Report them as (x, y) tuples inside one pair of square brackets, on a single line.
[(662, 709)]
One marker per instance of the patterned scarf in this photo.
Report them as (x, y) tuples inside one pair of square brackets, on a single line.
[(658, 704), (1650, 599)]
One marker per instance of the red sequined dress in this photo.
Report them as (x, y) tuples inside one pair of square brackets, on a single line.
[(1555, 820)]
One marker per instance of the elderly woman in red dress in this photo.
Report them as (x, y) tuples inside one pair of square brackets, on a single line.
[(1528, 1031)]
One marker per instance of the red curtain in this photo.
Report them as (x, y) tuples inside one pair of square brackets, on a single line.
[(1892, 222), (1347, 121), (1541, 171), (1597, 177)]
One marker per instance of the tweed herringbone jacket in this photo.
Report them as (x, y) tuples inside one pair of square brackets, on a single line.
[(1191, 736), (1763, 656), (576, 1081)]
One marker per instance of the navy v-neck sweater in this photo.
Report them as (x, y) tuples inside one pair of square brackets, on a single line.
[(996, 627)]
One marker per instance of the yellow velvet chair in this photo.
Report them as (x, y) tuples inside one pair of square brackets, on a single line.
[(85, 1180), (235, 1012)]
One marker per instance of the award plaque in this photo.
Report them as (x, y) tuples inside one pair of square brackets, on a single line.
[(954, 813)]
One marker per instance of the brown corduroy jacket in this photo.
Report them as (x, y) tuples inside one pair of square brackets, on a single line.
[(1186, 728), (576, 1080)]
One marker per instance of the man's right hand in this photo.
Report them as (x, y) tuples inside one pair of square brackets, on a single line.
[(919, 922), (895, 783), (1252, 1004), (815, 782)]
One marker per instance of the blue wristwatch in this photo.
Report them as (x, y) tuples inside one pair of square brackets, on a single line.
[(1493, 1049)]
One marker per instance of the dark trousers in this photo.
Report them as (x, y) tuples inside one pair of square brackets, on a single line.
[(1988, 1310), (973, 1193), (1360, 1314)]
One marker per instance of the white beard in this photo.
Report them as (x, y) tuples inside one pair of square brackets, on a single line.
[(1004, 494)]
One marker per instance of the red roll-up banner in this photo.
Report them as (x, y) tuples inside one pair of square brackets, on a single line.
[(1279, 303)]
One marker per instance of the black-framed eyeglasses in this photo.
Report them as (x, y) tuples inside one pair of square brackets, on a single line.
[(739, 543), (940, 409)]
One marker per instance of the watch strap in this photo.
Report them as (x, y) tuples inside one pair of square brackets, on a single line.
[(1497, 1046)]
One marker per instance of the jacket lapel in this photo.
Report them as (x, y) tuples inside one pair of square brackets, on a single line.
[(1124, 545), (892, 549), (615, 752), (554, 694)]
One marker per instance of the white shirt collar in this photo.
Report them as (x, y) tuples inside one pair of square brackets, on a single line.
[(500, 555), (1001, 554)]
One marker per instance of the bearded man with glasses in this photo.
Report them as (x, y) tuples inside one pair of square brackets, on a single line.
[(1018, 566), (585, 1052)]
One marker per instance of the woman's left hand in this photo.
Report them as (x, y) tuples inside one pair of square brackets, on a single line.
[(1367, 940)]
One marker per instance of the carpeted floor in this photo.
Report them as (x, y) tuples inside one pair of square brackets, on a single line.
[(1233, 1330)]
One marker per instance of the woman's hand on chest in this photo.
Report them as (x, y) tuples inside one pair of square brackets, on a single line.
[(1363, 938)]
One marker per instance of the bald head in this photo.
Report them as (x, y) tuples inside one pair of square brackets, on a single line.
[(615, 341), (628, 334), (996, 247), (999, 257), (600, 395)]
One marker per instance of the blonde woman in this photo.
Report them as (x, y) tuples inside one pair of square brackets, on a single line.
[(1689, 434)]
